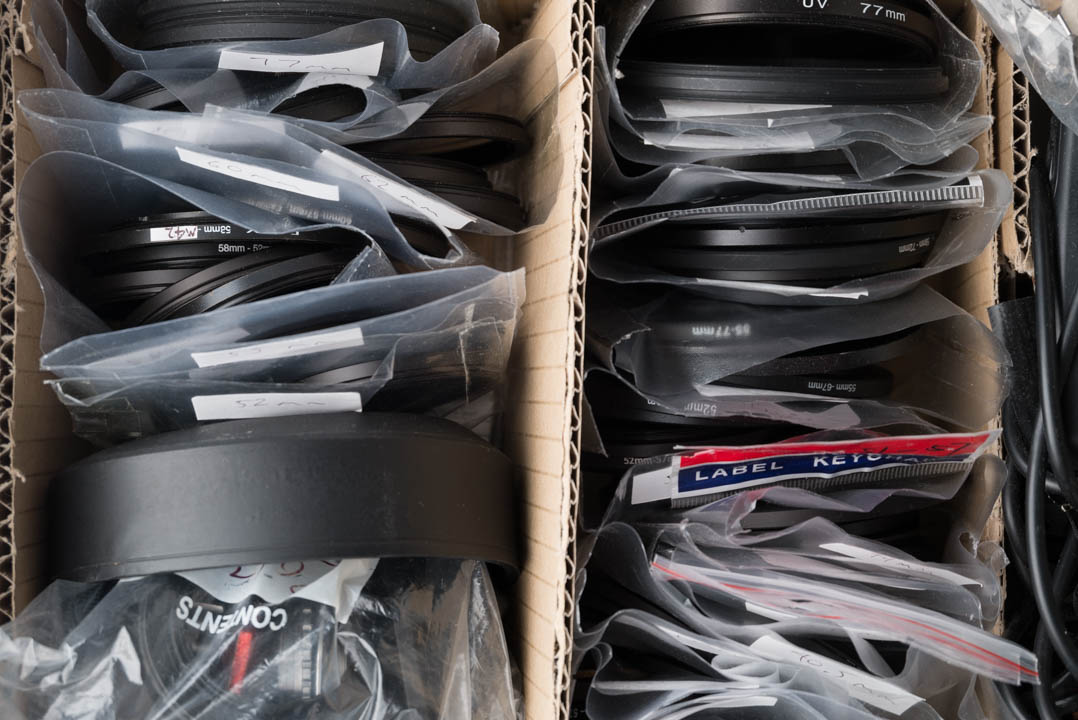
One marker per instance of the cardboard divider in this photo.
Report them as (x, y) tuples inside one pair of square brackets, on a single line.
[(1013, 154)]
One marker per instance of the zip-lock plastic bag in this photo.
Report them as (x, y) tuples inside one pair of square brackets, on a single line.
[(424, 342), (854, 166), (947, 595), (66, 197), (634, 641), (373, 51), (642, 664), (928, 355), (748, 127), (347, 640), (343, 107), (1039, 36), (777, 595), (963, 219), (811, 543), (711, 601)]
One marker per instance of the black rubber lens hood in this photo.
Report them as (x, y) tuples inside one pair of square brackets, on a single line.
[(278, 489)]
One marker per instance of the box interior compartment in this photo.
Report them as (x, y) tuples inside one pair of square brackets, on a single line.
[(542, 417)]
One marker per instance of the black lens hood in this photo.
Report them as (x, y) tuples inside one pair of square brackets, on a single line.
[(431, 26), (477, 138), (277, 489)]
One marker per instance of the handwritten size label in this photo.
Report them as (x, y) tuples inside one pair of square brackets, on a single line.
[(259, 175), (358, 61), (290, 347), (174, 233), (242, 406), (861, 685), (425, 204)]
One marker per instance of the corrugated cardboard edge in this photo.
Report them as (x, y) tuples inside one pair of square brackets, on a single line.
[(1013, 156), (584, 43), (543, 423), (976, 286), (9, 41)]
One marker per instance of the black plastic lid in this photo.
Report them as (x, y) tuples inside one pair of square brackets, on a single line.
[(284, 488)]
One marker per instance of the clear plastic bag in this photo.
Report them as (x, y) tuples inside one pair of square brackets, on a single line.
[(719, 602), (973, 211), (425, 342), (758, 663), (259, 159), (360, 54), (112, 20), (1039, 36), (467, 73), (354, 640), (678, 348), (858, 165), (659, 133), (920, 133), (66, 196)]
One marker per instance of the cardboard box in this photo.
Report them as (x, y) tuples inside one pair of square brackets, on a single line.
[(543, 423), (543, 419)]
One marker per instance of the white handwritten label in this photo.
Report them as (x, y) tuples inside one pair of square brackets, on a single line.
[(425, 204), (863, 556), (242, 406), (259, 175), (174, 233), (358, 61), (289, 347), (861, 685)]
